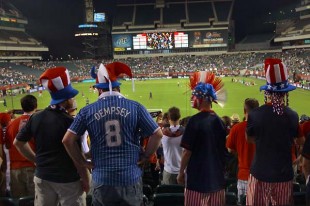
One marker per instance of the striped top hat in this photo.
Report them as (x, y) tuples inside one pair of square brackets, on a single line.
[(107, 75), (57, 82), (276, 77)]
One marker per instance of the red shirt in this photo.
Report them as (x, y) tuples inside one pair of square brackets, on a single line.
[(305, 128), (236, 141), (17, 160)]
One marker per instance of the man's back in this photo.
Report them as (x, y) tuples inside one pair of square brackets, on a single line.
[(205, 136), (113, 124), (16, 159), (52, 161), (237, 142), (274, 136)]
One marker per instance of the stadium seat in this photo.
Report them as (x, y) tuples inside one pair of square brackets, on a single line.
[(8, 201), (299, 198), (232, 188), (89, 199), (169, 189), (26, 201), (296, 187), (145, 200), (231, 198), (147, 191), (243, 199), (168, 199), (229, 181)]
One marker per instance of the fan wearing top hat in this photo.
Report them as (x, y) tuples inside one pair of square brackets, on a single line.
[(114, 124), (273, 128), (56, 180)]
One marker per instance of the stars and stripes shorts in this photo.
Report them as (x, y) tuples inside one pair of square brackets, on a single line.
[(193, 198), (263, 193)]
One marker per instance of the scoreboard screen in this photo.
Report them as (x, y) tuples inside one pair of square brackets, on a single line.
[(139, 41), (180, 40), (170, 40), (203, 39), (161, 40)]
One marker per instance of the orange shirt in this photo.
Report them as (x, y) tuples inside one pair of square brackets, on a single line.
[(153, 157), (236, 141), (1, 136), (17, 160), (305, 128)]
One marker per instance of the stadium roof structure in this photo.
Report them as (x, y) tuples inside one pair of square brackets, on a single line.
[(15, 43)]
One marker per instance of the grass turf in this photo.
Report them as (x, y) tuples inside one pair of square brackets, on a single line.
[(166, 93)]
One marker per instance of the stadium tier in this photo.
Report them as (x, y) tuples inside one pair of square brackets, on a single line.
[(15, 43)]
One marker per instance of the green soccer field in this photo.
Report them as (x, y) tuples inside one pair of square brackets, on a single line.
[(166, 93)]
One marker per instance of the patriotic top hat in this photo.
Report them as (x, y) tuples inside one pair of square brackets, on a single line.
[(107, 75), (57, 82), (276, 76)]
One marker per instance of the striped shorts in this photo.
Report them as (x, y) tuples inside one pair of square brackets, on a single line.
[(193, 198), (264, 193)]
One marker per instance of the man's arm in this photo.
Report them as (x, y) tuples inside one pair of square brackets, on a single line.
[(153, 144), (249, 139), (82, 165), (70, 142), (186, 155), (306, 167), (25, 150)]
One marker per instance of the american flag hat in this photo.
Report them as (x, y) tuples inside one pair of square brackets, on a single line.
[(107, 75), (276, 76), (57, 82)]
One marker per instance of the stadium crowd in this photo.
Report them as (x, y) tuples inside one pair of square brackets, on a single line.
[(297, 61), (204, 159)]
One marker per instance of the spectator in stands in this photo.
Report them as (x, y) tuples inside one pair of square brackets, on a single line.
[(235, 119), (236, 143), (272, 127), (184, 121), (171, 147), (56, 180), (227, 122), (204, 146), (5, 119), (116, 176), (21, 169), (306, 166)]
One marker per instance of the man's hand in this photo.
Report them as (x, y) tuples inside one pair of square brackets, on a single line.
[(181, 178)]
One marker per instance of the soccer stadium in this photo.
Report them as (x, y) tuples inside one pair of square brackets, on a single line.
[(154, 49)]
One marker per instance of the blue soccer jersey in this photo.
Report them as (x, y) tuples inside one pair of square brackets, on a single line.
[(115, 125)]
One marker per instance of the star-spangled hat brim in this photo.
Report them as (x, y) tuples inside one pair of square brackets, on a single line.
[(270, 88)]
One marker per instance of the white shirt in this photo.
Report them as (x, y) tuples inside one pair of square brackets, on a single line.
[(172, 152)]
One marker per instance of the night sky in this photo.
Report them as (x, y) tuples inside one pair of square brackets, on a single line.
[(54, 22)]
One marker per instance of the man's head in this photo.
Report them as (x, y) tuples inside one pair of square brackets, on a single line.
[(174, 114), (250, 104), (57, 82), (206, 88), (106, 78), (29, 103)]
